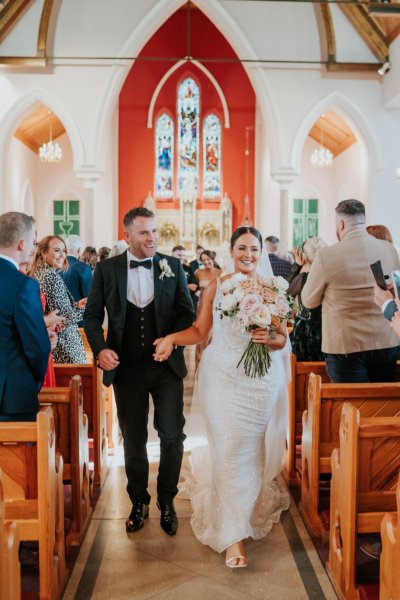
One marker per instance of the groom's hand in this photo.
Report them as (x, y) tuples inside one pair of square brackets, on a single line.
[(108, 359)]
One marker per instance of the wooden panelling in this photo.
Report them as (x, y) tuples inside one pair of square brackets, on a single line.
[(35, 128), (336, 135)]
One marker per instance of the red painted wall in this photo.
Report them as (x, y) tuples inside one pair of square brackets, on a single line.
[(136, 141)]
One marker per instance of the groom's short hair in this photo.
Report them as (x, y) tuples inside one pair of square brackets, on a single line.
[(13, 227), (139, 211)]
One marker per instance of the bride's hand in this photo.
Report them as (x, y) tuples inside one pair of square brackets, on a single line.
[(260, 335), (164, 349)]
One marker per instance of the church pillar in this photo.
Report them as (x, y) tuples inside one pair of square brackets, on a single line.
[(284, 181), (89, 179)]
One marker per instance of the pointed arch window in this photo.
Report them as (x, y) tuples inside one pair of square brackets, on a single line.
[(188, 132), (212, 157), (164, 157), (188, 158)]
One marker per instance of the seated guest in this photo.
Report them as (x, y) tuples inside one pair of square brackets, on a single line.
[(78, 275), (25, 345), (380, 232), (306, 336), (197, 264), (279, 265), (180, 252), (103, 253), (51, 257), (89, 257), (118, 248)]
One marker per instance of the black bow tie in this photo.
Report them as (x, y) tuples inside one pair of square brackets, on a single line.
[(134, 264)]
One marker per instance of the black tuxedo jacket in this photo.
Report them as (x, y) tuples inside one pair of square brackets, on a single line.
[(172, 304)]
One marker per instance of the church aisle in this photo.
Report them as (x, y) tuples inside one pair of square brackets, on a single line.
[(148, 564)]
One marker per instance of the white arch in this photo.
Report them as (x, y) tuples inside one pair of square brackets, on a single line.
[(153, 20), (168, 74), (23, 106), (348, 111)]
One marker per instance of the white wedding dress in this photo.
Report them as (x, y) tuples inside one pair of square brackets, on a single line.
[(241, 424)]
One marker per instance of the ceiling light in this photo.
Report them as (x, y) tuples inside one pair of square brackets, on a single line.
[(321, 157), (51, 151), (384, 68)]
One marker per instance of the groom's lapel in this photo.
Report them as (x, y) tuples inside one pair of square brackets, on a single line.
[(122, 281), (158, 283)]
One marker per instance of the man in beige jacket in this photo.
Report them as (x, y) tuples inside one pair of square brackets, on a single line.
[(356, 338)]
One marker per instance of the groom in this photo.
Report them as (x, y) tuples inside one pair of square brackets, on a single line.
[(146, 297)]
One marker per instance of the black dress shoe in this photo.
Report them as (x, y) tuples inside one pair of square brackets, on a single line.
[(168, 519), (139, 513)]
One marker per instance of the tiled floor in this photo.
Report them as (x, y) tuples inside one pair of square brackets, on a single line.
[(149, 564)]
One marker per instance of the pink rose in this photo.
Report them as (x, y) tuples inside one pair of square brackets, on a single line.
[(282, 306), (249, 285), (249, 304), (268, 295)]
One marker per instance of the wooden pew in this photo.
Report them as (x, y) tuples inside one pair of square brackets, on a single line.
[(33, 491), (72, 442), (389, 583), (321, 423), (364, 476), (297, 405), (10, 571), (94, 407)]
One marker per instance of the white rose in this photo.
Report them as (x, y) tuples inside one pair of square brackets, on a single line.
[(228, 302), (281, 283), (227, 286), (273, 310), (238, 294), (261, 317)]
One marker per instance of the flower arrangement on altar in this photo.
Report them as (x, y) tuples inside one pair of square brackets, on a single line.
[(208, 231), (169, 231), (255, 303)]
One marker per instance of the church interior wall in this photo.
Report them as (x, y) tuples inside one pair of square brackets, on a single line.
[(292, 94)]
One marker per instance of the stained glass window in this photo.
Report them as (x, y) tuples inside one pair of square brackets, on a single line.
[(188, 132), (66, 217), (164, 156), (212, 157)]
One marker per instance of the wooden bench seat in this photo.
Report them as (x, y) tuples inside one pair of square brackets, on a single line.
[(33, 492), (94, 407), (10, 571), (71, 425), (389, 583), (297, 405), (321, 423), (365, 472)]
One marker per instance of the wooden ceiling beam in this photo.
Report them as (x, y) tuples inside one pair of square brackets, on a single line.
[(10, 14), (329, 31), (352, 67), (368, 29), (44, 28)]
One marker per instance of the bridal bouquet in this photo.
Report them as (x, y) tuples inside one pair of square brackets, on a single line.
[(255, 303)]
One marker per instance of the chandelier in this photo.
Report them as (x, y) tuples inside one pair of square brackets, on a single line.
[(321, 157), (51, 151)]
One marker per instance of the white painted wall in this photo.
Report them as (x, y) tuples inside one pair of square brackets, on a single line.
[(84, 95)]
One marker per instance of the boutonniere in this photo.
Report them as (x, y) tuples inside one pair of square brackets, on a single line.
[(166, 270)]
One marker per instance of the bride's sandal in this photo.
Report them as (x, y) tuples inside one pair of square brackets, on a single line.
[(236, 562), (238, 559)]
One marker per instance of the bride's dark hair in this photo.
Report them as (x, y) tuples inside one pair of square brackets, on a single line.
[(246, 229)]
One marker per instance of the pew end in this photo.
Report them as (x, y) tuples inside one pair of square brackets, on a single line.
[(389, 584), (10, 570)]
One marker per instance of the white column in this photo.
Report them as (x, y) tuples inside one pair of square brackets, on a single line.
[(89, 179), (284, 222)]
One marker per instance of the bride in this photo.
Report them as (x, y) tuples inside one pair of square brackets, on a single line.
[(232, 495)]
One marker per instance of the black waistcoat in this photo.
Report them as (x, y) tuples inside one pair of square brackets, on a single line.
[(140, 331)]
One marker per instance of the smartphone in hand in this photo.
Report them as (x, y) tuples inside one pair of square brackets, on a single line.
[(377, 272), (396, 283)]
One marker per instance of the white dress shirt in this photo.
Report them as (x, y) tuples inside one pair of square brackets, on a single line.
[(11, 260), (140, 283)]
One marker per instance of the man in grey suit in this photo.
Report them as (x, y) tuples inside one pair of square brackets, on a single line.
[(356, 338)]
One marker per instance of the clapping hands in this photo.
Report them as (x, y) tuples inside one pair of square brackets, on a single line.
[(163, 349), (54, 321)]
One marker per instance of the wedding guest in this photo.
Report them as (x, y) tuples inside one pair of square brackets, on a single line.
[(118, 248), (196, 263), (357, 341), (180, 252), (51, 257), (380, 232), (78, 275), (232, 488), (89, 257), (279, 265), (306, 336), (209, 272), (103, 253), (156, 301), (25, 345)]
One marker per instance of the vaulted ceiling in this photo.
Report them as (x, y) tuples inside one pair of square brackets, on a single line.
[(36, 127), (332, 132)]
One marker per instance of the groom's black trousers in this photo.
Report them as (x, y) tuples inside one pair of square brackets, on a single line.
[(132, 386)]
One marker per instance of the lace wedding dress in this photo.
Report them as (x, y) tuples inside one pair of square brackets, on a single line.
[(240, 422)]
